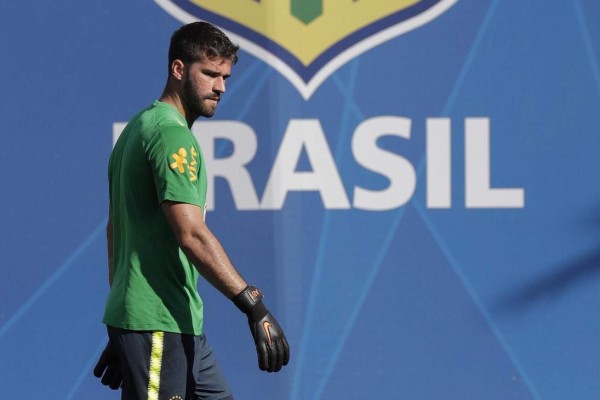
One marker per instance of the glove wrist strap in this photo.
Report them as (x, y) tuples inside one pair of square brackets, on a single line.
[(249, 301)]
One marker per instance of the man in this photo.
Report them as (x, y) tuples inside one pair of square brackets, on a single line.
[(158, 243)]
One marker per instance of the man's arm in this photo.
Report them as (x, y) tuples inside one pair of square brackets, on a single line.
[(108, 367), (109, 243), (203, 248), (207, 254)]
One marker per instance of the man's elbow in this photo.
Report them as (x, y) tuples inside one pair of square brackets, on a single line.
[(189, 241)]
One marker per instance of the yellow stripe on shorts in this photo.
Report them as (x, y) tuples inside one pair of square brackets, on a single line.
[(155, 364)]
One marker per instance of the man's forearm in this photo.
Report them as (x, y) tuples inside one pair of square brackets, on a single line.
[(211, 260), (203, 248)]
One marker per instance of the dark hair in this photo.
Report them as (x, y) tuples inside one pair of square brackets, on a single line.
[(200, 39)]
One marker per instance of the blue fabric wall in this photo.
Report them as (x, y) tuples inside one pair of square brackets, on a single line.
[(493, 105)]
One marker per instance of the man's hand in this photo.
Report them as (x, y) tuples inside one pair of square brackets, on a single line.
[(271, 345), (109, 368)]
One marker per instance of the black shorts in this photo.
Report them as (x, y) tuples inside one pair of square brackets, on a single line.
[(168, 366)]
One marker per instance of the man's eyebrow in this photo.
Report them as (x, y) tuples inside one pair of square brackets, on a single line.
[(210, 71)]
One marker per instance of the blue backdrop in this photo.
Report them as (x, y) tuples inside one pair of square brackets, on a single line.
[(423, 217)]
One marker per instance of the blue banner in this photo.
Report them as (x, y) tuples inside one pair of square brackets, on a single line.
[(410, 183)]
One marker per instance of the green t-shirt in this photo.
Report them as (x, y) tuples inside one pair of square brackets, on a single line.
[(154, 287)]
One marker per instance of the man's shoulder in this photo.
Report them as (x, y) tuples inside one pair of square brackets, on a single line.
[(164, 115), (160, 121)]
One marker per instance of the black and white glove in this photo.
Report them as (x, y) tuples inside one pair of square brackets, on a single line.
[(271, 345), (108, 368)]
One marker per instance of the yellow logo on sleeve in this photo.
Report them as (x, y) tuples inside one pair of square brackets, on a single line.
[(180, 159), (192, 167), (181, 163)]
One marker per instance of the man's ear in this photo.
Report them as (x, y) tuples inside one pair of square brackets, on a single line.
[(177, 69)]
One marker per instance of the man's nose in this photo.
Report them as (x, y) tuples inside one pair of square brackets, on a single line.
[(219, 85)]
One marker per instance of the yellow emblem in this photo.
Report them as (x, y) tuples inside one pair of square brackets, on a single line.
[(181, 162), (307, 40), (192, 167)]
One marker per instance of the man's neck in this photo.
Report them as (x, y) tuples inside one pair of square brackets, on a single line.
[(175, 100)]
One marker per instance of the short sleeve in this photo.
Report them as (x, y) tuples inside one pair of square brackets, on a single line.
[(175, 160)]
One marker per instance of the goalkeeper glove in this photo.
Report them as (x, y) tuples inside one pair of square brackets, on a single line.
[(109, 368), (271, 345)]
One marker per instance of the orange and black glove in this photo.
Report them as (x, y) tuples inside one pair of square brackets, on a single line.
[(271, 345), (108, 368)]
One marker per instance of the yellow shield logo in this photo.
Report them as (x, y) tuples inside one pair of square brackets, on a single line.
[(308, 40)]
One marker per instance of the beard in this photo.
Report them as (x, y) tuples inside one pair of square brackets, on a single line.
[(197, 104)]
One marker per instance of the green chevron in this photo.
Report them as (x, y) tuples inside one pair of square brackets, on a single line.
[(307, 10)]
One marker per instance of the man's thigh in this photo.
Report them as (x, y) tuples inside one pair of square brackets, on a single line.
[(169, 366), (210, 381)]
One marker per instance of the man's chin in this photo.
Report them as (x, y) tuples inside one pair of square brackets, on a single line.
[(207, 112)]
